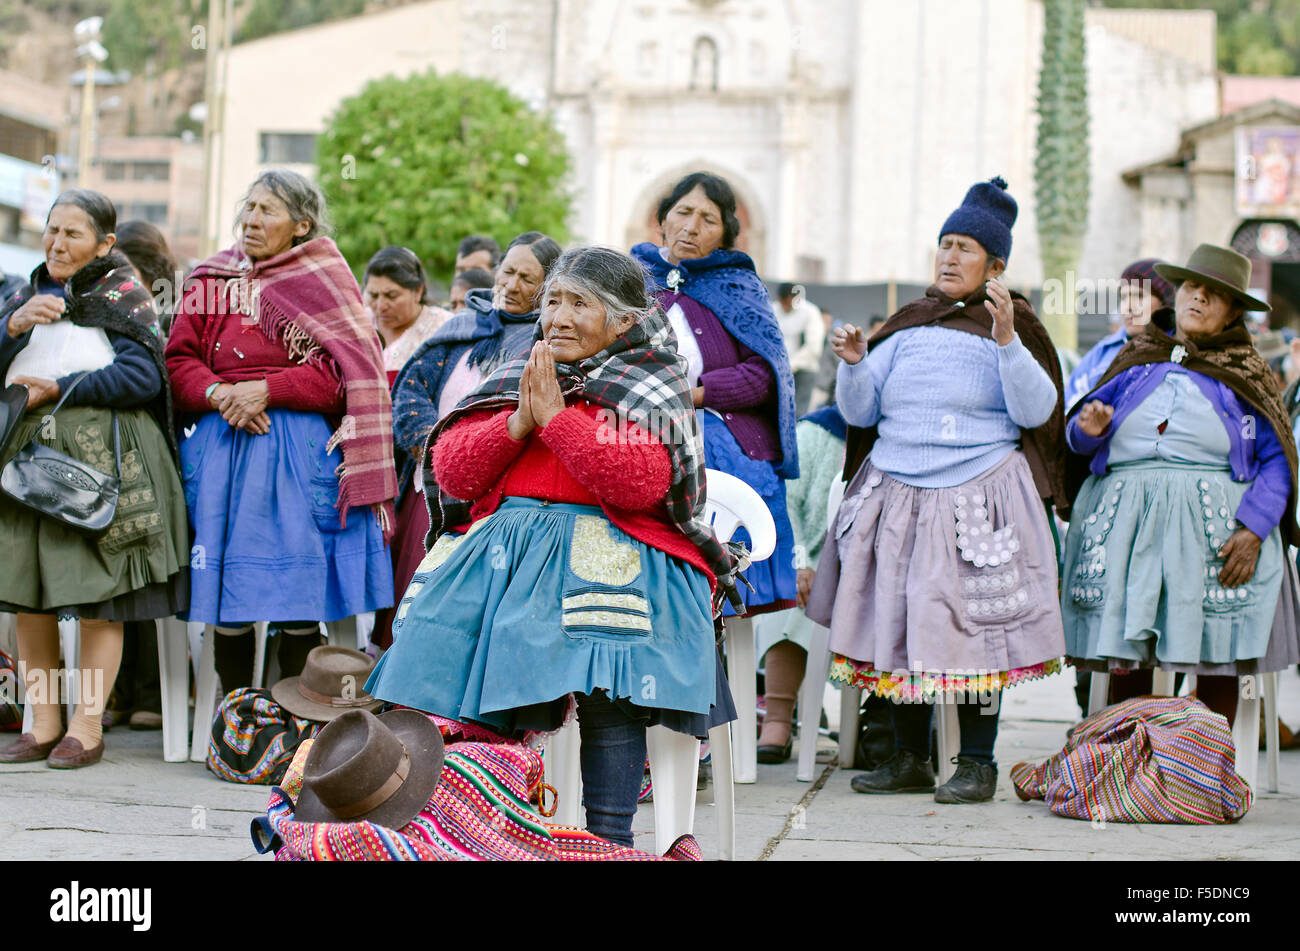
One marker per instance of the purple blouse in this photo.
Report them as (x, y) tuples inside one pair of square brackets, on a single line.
[(737, 382)]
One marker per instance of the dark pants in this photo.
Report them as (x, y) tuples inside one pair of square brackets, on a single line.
[(137, 685), (978, 722), (613, 763)]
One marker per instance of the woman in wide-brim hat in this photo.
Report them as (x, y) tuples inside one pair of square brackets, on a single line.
[(1175, 558)]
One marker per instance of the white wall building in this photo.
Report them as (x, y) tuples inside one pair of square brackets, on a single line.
[(849, 128)]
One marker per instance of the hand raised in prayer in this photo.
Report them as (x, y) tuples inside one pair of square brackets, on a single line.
[(1094, 418), (1240, 553), (999, 305), (522, 421), (849, 343), (545, 394)]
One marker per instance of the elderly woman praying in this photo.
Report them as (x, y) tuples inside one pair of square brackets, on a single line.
[(584, 569)]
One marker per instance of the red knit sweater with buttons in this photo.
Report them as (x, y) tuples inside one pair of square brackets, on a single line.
[(574, 458), (202, 350)]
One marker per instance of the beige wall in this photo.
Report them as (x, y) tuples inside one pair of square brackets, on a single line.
[(292, 81)]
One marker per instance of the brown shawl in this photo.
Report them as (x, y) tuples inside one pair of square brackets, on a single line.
[(1231, 358), (1044, 446)]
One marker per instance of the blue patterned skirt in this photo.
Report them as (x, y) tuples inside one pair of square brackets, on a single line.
[(267, 541), (544, 599), (773, 579)]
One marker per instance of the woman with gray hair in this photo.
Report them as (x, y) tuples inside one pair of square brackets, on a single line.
[(582, 568), (287, 456)]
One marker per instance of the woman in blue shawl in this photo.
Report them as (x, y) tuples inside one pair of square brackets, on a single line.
[(498, 327), (736, 357)]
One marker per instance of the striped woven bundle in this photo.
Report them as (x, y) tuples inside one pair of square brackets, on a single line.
[(479, 811), (1151, 759), (253, 739)]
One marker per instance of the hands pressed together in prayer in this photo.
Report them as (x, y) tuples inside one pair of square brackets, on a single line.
[(540, 398), (243, 405)]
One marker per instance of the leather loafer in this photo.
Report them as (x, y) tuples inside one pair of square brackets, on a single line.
[(26, 750), (70, 754)]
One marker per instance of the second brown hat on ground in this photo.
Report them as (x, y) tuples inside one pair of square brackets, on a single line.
[(332, 682)]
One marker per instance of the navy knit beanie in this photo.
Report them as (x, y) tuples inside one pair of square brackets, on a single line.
[(986, 214)]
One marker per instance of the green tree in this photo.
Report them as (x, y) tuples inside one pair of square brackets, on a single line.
[(426, 160), (1061, 161), (1256, 37), (272, 16)]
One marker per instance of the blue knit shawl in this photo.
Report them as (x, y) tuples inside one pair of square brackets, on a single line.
[(726, 283)]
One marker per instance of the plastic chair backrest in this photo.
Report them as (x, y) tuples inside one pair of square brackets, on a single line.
[(732, 504), (833, 500)]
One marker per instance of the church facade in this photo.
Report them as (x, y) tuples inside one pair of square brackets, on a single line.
[(848, 128)]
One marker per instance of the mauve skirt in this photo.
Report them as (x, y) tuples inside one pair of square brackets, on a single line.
[(950, 589)]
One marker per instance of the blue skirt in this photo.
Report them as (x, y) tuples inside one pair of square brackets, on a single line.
[(543, 599), (267, 541), (1141, 583), (773, 579)]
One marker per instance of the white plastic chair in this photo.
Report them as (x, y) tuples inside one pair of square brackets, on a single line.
[(1245, 727), (813, 692), (675, 758), (348, 632), (70, 647), (731, 505)]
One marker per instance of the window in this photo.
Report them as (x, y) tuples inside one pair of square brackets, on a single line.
[(114, 171), (155, 214), (287, 148), (151, 171), (704, 64)]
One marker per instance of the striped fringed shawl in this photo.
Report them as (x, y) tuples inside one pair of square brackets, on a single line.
[(479, 811), (307, 299), (1151, 759)]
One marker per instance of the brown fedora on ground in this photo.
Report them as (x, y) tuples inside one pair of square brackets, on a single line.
[(332, 682), (1220, 268), (381, 769)]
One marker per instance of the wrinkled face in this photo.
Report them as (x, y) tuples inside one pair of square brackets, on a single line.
[(1201, 310), (573, 323), (1136, 305), (692, 227), (393, 305), (479, 259), (519, 281), (266, 227), (962, 265), (70, 242)]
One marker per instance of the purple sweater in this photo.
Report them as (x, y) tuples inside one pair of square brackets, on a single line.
[(1255, 456), (737, 382)]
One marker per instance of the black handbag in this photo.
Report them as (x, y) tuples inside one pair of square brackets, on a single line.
[(61, 487), (13, 404)]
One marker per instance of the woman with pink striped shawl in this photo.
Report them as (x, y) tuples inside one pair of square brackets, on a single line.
[(286, 452)]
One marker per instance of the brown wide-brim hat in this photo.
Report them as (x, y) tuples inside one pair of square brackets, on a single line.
[(317, 693), (339, 748), (1223, 269)]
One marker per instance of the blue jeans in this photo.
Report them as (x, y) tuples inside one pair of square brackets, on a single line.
[(613, 764)]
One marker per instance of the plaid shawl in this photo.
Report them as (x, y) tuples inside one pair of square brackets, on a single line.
[(1230, 358), (307, 299), (641, 378), (107, 294), (480, 811)]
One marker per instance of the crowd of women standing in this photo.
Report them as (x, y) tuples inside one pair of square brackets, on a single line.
[(296, 448)]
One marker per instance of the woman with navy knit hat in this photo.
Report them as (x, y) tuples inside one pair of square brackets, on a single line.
[(939, 573)]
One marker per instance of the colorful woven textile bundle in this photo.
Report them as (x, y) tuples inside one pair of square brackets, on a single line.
[(479, 811), (253, 738), (1151, 759)]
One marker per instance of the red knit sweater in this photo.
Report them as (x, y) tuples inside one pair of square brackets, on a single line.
[(202, 350), (575, 458)]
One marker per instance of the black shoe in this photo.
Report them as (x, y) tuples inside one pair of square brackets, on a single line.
[(904, 772), (973, 782), (776, 754)]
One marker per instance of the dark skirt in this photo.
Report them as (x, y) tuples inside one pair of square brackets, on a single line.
[(139, 568)]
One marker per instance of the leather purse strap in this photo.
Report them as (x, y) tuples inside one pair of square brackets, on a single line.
[(117, 446)]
